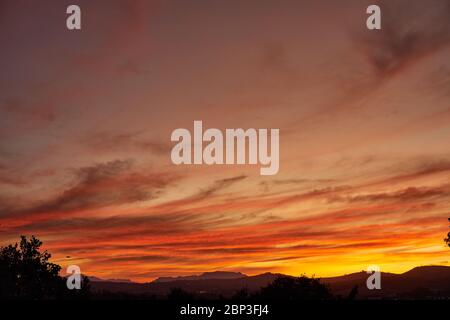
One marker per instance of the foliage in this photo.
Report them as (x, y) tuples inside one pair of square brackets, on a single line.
[(27, 273), (178, 294), (302, 288), (447, 240)]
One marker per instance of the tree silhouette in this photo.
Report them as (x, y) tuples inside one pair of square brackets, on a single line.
[(353, 293), (301, 288), (26, 273), (447, 240), (241, 294), (178, 294)]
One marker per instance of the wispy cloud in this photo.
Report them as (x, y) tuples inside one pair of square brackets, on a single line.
[(101, 185), (410, 32), (114, 142)]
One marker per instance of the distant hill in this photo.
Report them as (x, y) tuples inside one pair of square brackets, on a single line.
[(205, 276), (207, 287), (420, 282), (424, 281), (95, 279), (432, 273)]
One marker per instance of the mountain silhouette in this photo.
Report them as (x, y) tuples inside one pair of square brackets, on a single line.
[(109, 280), (435, 280), (420, 282), (204, 276), (207, 287)]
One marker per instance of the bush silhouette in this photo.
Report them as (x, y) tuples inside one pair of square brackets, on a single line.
[(242, 294), (301, 288), (353, 293), (178, 294), (26, 273)]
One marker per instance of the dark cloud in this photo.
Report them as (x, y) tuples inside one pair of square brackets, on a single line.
[(145, 258), (104, 184), (118, 226), (266, 185), (218, 186), (94, 189), (408, 194), (181, 244), (419, 167), (237, 250), (312, 194), (300, 181), (110, 142), (283, 259), (410, 30), (423, 167), (102, 171)]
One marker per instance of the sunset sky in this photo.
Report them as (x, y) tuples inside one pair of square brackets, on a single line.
[(364, 118)]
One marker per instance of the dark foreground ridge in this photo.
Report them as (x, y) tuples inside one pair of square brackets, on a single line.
[(26, 273), (427, 282)]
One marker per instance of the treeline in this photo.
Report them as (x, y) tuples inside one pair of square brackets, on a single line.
[(27, 273)]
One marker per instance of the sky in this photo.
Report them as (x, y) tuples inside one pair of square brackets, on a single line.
[(364, 118)]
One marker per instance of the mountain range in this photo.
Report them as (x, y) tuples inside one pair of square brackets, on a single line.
[(420, 282)]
